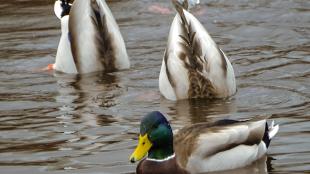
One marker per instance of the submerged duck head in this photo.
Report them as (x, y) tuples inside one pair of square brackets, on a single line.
[(155, 139), (62, 8)]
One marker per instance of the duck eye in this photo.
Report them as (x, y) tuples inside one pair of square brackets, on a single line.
[(143, 143)]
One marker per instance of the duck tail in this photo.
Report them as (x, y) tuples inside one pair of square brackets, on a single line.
[(270, 132), (180, 7), (190, 44), (183, 5)]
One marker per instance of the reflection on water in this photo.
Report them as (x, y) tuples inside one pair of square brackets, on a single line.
[(57, 123), (194, 111), (81, 95)]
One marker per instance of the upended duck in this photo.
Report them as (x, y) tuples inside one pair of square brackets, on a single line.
[(90, 39), (193, 65), (204, 147)]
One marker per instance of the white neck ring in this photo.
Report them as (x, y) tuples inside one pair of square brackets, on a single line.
[(161, 160)]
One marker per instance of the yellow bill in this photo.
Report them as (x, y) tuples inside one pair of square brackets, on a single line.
[(144, 145)]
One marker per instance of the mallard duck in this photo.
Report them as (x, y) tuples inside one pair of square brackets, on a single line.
[(90, 39), (203, 147), (193, 65)]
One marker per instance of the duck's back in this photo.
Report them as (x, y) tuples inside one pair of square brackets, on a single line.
[(223, 145)]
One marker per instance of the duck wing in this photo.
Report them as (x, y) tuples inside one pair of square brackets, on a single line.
[(204, 147)]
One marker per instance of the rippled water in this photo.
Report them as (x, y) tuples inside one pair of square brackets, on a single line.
[(56, 123)]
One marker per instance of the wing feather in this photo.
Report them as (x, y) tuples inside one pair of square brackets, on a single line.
[(205, 140), (104, 42)]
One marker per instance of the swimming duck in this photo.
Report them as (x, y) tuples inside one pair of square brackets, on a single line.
[(193, 65), (203, 147), (90, 39)]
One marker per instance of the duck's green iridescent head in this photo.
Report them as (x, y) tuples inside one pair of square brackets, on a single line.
[(155, 139)]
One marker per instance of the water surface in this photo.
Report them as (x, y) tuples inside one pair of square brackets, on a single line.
[(56, 123)]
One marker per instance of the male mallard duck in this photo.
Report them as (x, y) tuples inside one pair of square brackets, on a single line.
[(204, 147), (193, 65), (90, 39)]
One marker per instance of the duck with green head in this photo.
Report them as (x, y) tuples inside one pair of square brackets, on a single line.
[(156, 140), (204, 147)]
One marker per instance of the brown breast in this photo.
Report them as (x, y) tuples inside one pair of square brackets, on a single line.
[(166, 167)]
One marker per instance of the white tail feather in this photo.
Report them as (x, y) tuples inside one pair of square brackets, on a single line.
[(58, 9), (273, 130)]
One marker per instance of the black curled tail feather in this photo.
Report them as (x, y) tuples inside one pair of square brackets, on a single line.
[(66, 7), (266, 137)]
